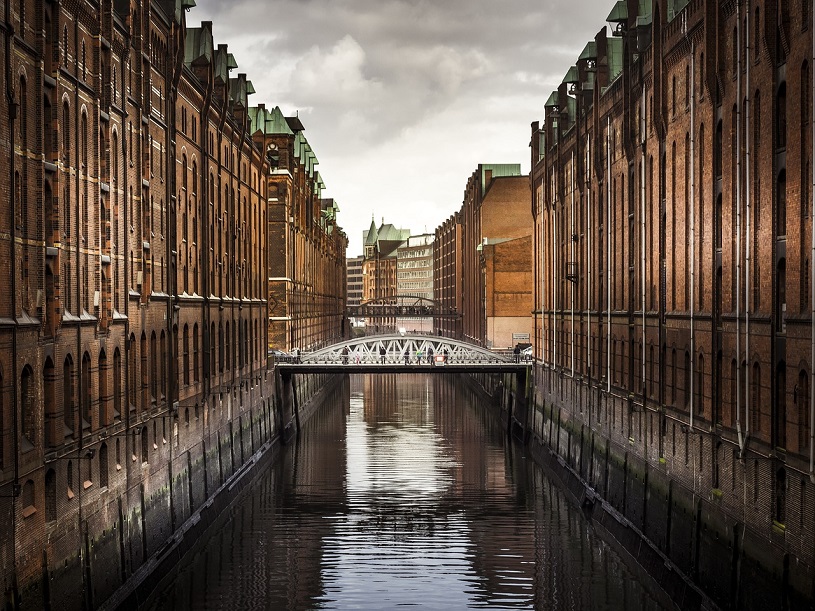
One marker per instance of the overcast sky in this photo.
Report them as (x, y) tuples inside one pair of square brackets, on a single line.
[(402, 99)]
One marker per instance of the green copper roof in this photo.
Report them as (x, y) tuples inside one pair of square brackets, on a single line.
[(198, 45), (619, 13), (589, 51), (498, 170), (371, 235), (552, 101), (231, 62), (572, 76), (615, 58)]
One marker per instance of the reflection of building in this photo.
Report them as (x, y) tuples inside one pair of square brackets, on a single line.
[(306, 246), (414, 278)]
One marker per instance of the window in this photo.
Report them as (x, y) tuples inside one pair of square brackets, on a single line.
[(780, 496), (85, 391), (186, 354), (802, 399), (781, 406), (781, 204), (50, 496), (103, 465), (27, 415), (68, 405)]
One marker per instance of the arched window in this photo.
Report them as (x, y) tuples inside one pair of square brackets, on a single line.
[(163, 367), (22, 95), (51, 424), (131, 366), (802, 398), (780, 496), (212, 349), (195, 362), (104, 398), (687, 375), (85, 391), (781, 406), (117, 384), (144, 445), (144, 372), (755, 399), (68, 405), (50, 495), (27, 416), (220, 347), (153, 368), (186, 354), (103, 465)]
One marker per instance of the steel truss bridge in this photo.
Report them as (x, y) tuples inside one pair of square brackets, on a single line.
[(397, 353)]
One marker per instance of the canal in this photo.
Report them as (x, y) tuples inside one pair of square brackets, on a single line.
[(403, 491)]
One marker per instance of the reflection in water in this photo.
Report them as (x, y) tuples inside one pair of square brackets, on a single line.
[(403, 491)]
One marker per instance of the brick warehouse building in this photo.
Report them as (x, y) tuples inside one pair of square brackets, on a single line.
[(495, 208), (133, 331), (672, 196), (307, 247)]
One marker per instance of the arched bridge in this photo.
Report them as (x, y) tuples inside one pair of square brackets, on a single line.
[(405, 349), (398, 353)]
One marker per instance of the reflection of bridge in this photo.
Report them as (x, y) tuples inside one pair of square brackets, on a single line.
[(399, 354)]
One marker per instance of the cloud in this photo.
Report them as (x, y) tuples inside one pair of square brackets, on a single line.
[(401, 99)]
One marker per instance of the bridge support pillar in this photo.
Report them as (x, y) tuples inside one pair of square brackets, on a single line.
[(289, 410), (519, 417)]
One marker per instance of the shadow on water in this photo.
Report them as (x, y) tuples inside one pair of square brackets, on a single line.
[(403, 490)]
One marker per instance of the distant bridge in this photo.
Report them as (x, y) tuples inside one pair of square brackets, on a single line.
[(401, 306)]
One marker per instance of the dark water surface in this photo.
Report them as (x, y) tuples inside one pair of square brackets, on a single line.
[(403, 492)]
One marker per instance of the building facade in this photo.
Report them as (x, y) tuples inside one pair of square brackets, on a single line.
[(307, 257), (447, 278), (134, 249), (379, 269), (495, 207), (414, 280), (672, 195), (353, 266)]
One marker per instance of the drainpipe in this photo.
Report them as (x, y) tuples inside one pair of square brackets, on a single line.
[(812, 288), (737, 152), (692, 223), (608, 255), (12, 117), (554, 271), (747, 237), (642, 238), (589, 254), (571, 249)]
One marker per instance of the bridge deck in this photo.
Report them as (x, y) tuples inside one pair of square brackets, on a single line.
[(293, 368)]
